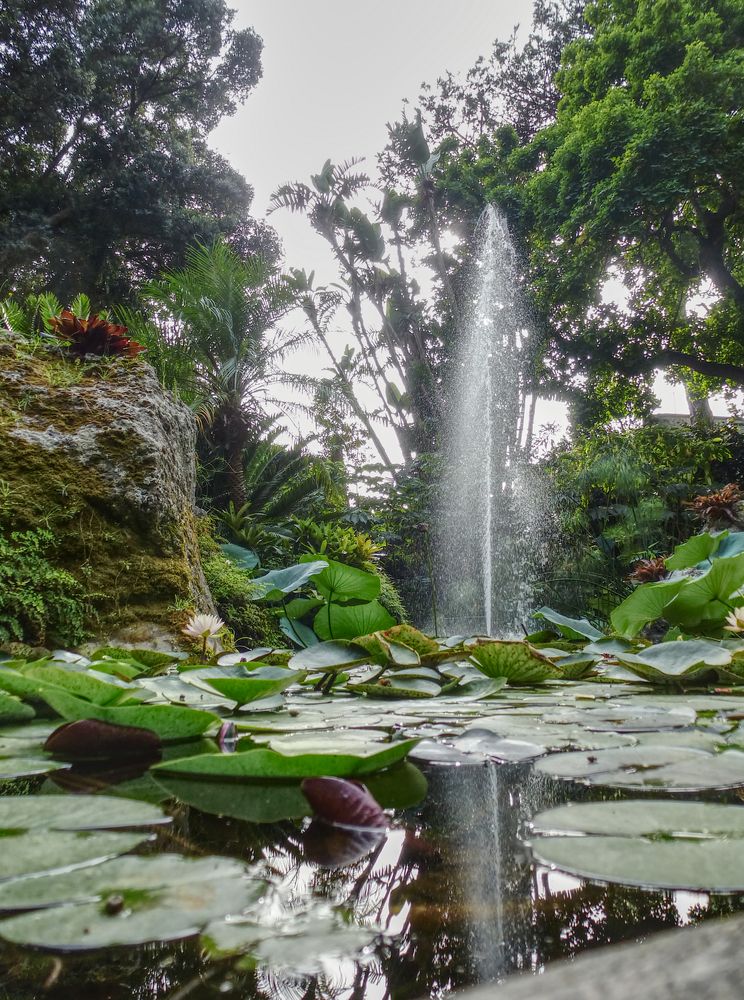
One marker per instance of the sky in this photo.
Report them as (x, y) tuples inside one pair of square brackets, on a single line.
[(335, 72)]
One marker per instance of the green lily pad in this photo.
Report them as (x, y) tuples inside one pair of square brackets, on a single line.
[(646, 604), (329, 656), (170, 722), (339, 583), (397, 687), (84, 812), (274, 585), (26, 767), (100, 880), (260, 683), (689, 660), (49, 850), (674, 769), (707, 598), (519, 662), (669, 845), (365, 759), (695, 550), (176, 911), (346, 621)]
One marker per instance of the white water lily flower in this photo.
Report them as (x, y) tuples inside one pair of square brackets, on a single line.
[(204, 627), (735, 620)]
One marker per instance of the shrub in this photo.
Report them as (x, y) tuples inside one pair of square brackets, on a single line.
[(38, 601)]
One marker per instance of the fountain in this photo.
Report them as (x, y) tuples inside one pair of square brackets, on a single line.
[(489, 524)]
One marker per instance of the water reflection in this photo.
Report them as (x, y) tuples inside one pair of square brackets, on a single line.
[(450, 885)]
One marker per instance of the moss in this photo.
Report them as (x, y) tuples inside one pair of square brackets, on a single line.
[(234, 594), (130, 560)]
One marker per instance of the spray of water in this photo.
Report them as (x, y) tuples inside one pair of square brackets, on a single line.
[(490, 521)]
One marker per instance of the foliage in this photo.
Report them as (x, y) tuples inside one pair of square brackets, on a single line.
[(224, 346), (235, 596), (336, 541), (105, 170), (93, 335), (622, 496), (38, 601), (637, 180)]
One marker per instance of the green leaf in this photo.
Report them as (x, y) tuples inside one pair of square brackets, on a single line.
[(170, 722), (12, 709), (694, 550), (670, 845), (327, 656), (271, 764), (273, 585), (707, 597), (296, 632), (91, 812), (689, 659), (241, 557), (298, 607), (81, 684), (570, 628), (262, 683), (48, 850), (519, 662), (339, 582), (646, 604), (338, 621), (674, 769)]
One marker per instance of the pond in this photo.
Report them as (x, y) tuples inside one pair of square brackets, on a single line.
[(480, 873)]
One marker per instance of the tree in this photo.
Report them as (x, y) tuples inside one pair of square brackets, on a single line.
[(639, 180), (227, 351), (105, 174)]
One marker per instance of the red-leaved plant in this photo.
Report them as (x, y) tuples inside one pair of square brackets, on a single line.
[(94, 335)]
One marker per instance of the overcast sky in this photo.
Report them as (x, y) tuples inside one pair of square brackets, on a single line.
[(335, 72)]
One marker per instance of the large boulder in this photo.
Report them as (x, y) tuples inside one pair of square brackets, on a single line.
[(100, 454)]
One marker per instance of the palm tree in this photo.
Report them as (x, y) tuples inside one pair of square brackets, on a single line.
[(225, 310)]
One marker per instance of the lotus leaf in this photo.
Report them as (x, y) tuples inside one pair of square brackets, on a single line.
[(519, 662)]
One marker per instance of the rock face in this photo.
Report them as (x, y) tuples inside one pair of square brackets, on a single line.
[(102, 456)]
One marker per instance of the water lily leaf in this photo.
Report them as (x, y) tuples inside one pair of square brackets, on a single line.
[(570, 628), (706, 597), (575, 666), (12, 709), (151, 659), (170, 722), (45, 850), (695, 550), (395, 687), (91, 739), (329, 656), (413, 639), (125, 670), (274, 585), (243, 656), (296, 632), (298, 607), (100, 880), (26, 767), (80, 683), (167, 914), (388, 652), (519, 662), (242, 557), (674, 845), (689, 659), (646, 604), (609, 647), (251, 801), (270, 764), (339, 621), (732, 544), (339, 582), (661, 768), (303, 944), (263, 683), (90, 812)]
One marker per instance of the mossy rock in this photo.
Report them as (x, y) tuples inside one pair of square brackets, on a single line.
[(104, 458)]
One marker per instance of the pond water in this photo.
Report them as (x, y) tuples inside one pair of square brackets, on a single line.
[(451, 886)]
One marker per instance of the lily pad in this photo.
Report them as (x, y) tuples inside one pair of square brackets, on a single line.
[(46, 850), (167, 914), (12, 709), (84, 812), (670, 845), (269, 764), (519, 662), (347, 621), (329, 656), (674, 769), (689, 660)]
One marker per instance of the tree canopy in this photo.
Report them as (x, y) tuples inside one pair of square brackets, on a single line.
[(105, 174)]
